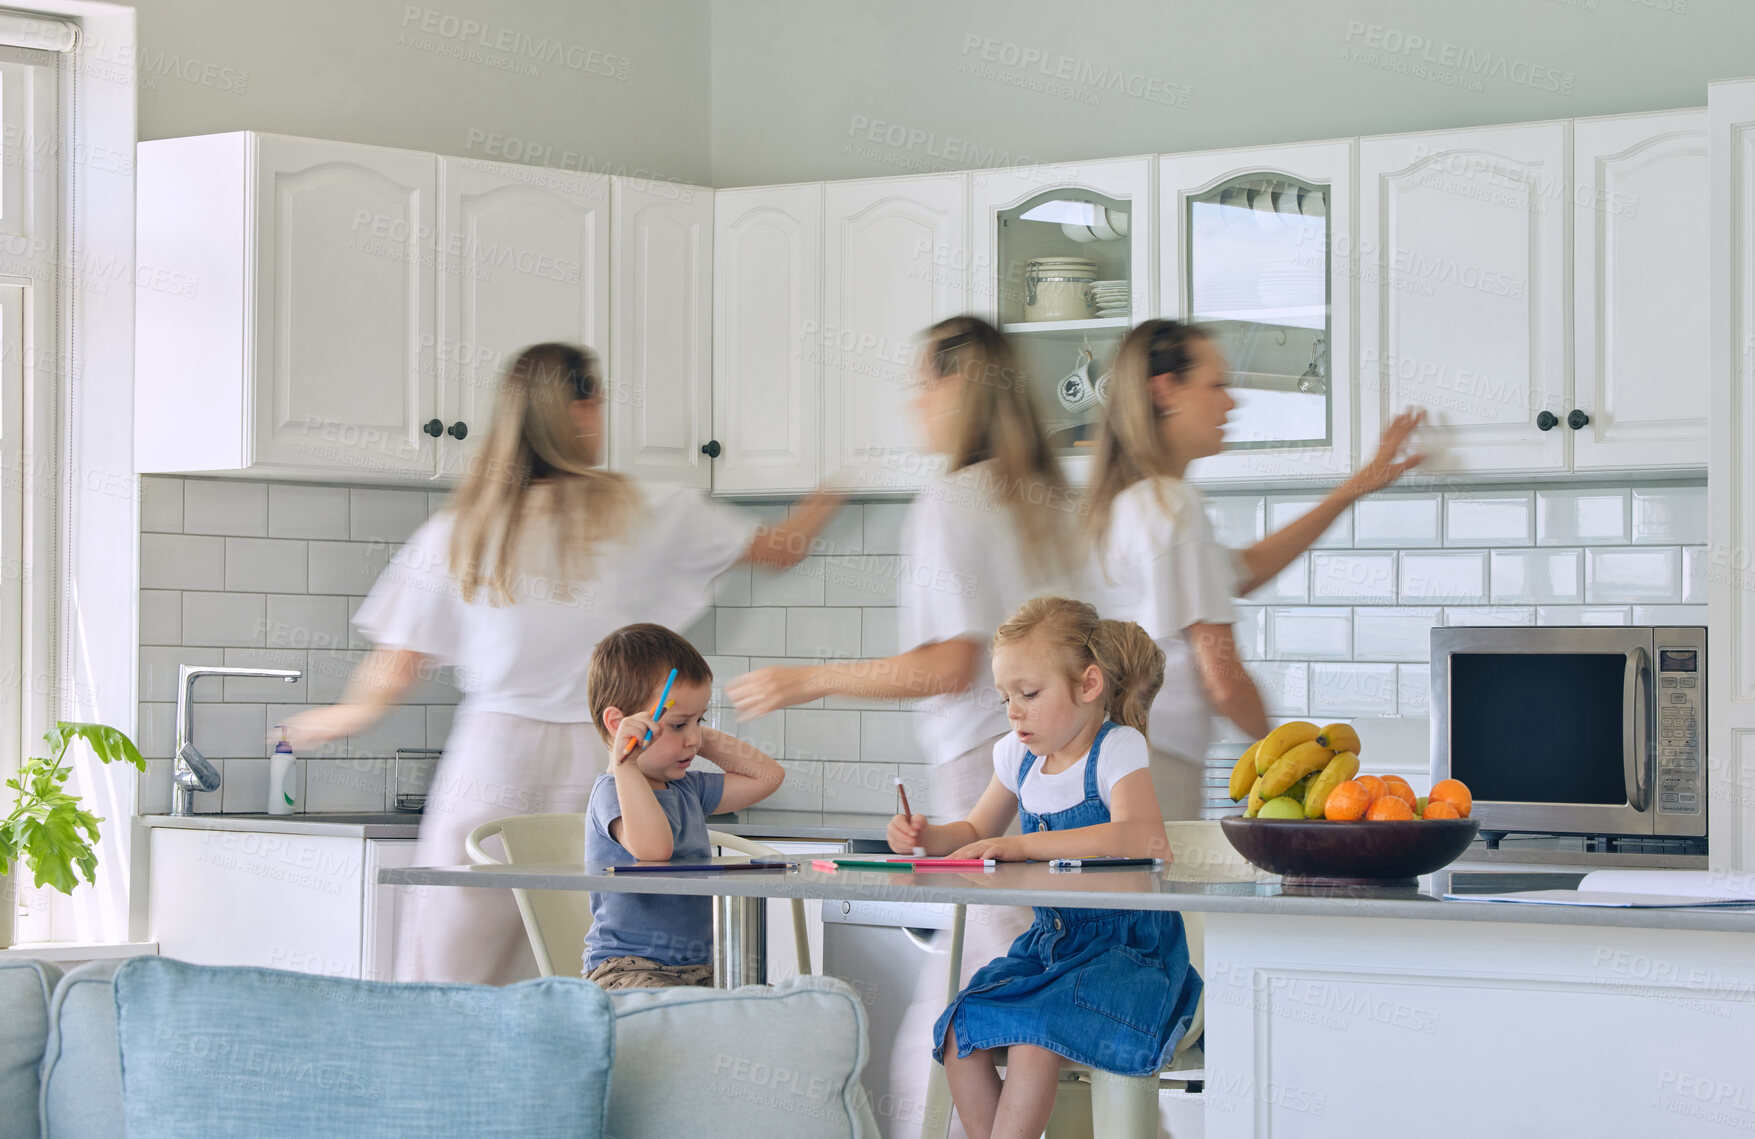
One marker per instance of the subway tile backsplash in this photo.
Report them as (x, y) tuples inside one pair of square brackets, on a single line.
[(270, 574)]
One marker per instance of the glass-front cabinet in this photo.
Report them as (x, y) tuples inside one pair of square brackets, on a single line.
[(1257, 246), (1061, 260)]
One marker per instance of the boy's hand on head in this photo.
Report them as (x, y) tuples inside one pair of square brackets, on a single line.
[(904, 833), (633, 728)]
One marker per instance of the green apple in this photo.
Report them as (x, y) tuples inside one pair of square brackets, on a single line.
[(1284, 807)]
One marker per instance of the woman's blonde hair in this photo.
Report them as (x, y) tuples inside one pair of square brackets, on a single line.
[(1129, 447), (1132, 664), (998, 424), (532, 437)]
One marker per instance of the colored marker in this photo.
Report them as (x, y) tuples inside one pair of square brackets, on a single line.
[(657, 711), (1077, 863), (908, 812), (670, 867)]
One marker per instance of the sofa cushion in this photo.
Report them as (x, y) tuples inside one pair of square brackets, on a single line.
[(25, 985), (82, 1072), (212, 1051), (777, 1062)]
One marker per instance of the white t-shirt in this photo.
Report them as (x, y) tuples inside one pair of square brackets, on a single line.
[(963, 571), (530, 658), (1161, 566), (1123, 753)]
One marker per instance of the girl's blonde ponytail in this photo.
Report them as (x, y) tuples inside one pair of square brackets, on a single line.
[(1132, 664)]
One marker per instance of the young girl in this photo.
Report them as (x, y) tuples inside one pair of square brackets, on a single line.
[(1157, 562), (1112, 989), (989, 534), (538, 556)]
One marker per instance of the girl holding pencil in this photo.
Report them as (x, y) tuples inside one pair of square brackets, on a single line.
[(1112, 989), (999, 527), (538, 556)]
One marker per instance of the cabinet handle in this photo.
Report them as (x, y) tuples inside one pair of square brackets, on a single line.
[(458, 430), (711, 448), (1577, 419), (1547, 421), (434, 428)]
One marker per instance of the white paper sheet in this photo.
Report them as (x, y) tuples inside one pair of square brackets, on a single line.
[(1688, 883), (1603, 898)]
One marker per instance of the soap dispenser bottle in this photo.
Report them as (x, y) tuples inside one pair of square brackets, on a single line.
[(282, 769)]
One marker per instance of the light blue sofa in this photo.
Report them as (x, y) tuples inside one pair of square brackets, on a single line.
[(769, 1062)]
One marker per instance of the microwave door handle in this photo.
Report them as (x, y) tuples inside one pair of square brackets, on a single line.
[(1636, 729)]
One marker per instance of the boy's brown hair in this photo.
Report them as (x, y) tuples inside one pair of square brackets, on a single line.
[(630, 664)]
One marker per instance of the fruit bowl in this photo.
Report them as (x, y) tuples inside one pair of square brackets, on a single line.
[(1321, 852)]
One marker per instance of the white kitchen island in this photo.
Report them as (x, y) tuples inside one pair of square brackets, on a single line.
[(1383, 1012)]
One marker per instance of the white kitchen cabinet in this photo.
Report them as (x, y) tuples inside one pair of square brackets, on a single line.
[(381, 914), (1022, 214), (301, 341), (1462, 293), (1640, 291), (1730, 479), (661, 350), (1257, 243), (523, 258), (302, 902), (767, 299), (887, 247)]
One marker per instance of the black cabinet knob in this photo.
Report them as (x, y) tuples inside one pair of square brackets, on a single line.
[(434, 428), (458, 430), (711, 448), (1577, 419), (1547, 421)]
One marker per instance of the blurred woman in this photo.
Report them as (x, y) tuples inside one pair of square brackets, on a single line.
[(1155, 558), (538, 556), (998, 528)]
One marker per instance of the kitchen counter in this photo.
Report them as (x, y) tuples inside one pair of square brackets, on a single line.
[(1543, 850), (1034, 884), (835, 826), (356, 824)]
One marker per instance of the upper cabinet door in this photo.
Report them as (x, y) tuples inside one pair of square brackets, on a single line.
[(344, 307), (523, 258), (887, 245), (661, 354), (1640, 300), (1254, 244), (1462, 293), (767, 305)]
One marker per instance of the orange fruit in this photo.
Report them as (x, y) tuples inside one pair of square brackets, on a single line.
[(1375, 788), (1390, 808), (1397, 786), (1454, 792), (1440, 809), (1348, 801)]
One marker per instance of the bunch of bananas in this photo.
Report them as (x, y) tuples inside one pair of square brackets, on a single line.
[(1289, 773)]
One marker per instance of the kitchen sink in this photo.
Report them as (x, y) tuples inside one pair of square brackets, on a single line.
[(341, 818)]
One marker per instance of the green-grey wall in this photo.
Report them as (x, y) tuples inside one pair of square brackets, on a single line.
[(800, 87)]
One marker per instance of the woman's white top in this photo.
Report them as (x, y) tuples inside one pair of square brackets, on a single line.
[(963, 571), (1160, 565), (1123, 753), (530, 658)]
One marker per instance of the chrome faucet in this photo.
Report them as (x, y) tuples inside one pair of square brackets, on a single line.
[(194, 772)]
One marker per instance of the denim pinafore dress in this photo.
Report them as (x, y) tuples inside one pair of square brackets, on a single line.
[(1111, 989)]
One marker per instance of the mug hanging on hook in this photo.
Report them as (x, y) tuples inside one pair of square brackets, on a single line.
[(1314, 381), (1077, 391)]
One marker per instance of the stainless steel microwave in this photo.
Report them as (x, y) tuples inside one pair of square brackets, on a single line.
[(1574, 731)]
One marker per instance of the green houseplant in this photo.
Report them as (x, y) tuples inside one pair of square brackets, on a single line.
[(47, 828)]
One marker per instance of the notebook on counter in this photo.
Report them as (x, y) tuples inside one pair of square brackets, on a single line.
[(1638, 889)]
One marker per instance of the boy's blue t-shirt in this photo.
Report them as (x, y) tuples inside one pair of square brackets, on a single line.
[(667, 928)]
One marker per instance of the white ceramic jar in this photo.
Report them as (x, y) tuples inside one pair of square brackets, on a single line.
[(1059, 288)]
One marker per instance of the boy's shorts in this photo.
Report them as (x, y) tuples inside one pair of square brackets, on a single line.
[(644, 973)]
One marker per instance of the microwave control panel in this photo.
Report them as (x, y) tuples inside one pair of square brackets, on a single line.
[(1680, 701)]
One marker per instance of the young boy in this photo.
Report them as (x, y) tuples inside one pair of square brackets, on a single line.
[(651, 807)]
